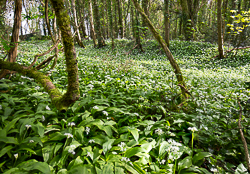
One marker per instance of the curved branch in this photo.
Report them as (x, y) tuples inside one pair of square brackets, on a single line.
[(39, 55), (56, 97)]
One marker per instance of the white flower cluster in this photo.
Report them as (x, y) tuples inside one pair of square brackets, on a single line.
[(87, 130), (162, 161), (173, 149), (125, 159), (26, 78), (37, 87), (31, 141), (71, 124), (68, 135), (105, 113), (48, 108), (122, 145), (71, 149), (193, 129), (43, 118), (91, 141), (159, 131), (27, 126), (95, 107)]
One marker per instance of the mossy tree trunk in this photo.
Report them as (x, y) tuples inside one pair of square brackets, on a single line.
[(81, 15), (144, 24), (219, 29), (91, 21), (100, 38), (170, 57)]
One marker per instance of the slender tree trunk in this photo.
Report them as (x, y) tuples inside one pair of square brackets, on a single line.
[(170, 57), (219, 29), (166, 21), (116, 22), (109, 4), (121, 31), (47, 20), (100, 39), (78, 37), (144, 24), (81, 14), (92, 29)]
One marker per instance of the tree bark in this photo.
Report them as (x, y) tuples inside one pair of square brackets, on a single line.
[(109, 4), (92, 29), (81, 14), (121, 31), (144, 24), (170, 57), (76, 28), (100, 38), (219, 30), (63, 22), (47, 20), (166, 21)]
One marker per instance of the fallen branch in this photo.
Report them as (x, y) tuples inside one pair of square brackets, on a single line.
[(243, 138), (39, 55), (185, 90), (131, 50), (236, 48)]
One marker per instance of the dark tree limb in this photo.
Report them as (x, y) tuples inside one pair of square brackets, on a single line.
[(237, 48), (243, 139), (39, 55)]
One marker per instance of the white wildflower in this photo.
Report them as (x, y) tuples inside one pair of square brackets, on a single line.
[(31, 141), (27, 126), (71, 149), (214, 170), (136, 114), (1, 107), (43, 118), (125, 159), (122, 145), (71, 124), (83, 95), (105, 113), (16, 155), (108, 118), (148, 127), (47, 107), (88, 154), (193, 129), (114, 153), (68, 135), (162, 161), (95, 107), (87, 130), (159, 131), (91, 141), (37, 87)]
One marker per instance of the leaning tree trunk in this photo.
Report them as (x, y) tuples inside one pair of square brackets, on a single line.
[(219, 29), (12, 54), (170, 57), (76, 28), (100, 38)]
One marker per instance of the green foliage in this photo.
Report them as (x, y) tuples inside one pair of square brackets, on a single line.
[(129, 118)]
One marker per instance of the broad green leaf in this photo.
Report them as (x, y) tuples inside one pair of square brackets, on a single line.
[(7, 112), (241, 169), (135, 133), (132, 151), (5, 150), (62, 171), (10, 140), (185, 163), (11, 124), (107, 145), (131, 169), (108, 168), (41, 166), (79, 169), (200, 156)]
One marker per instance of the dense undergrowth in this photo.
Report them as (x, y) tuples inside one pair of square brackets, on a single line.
[(130, 117)]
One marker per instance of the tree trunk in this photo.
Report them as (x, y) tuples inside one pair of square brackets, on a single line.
[(144, 24), (166, 21), (92, 29), (109, 4), (170, 57), (219, 29), (186, 20), (115, 16), (78, 37), (63, 22), (47, 20), (81, 14), (100, 39), (121, 31)]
